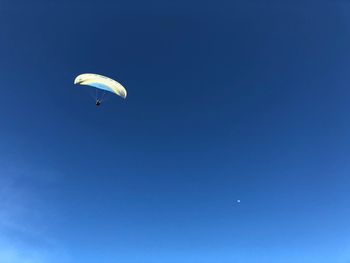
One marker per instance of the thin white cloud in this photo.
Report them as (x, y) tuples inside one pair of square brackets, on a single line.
[(12, 253), (23, 238)]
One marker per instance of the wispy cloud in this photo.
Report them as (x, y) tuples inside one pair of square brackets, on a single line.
[(24, 238), (13, 253)]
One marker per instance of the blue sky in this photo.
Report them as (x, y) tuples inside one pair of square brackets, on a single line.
[(226, 100)]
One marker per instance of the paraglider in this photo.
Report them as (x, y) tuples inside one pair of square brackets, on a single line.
[(102, 83)]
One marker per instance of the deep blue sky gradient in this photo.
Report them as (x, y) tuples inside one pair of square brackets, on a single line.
[(226, 100)]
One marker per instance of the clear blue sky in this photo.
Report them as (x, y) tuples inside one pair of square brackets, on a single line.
[(227, 100)]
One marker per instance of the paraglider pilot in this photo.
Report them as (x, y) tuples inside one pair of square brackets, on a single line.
[(98, 102)]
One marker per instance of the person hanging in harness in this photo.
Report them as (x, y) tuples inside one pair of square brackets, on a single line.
[(98, 102)]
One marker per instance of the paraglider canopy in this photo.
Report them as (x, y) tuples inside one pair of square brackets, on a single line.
[(102, 83)]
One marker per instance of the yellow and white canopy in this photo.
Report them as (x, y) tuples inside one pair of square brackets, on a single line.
[(101, 82)]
